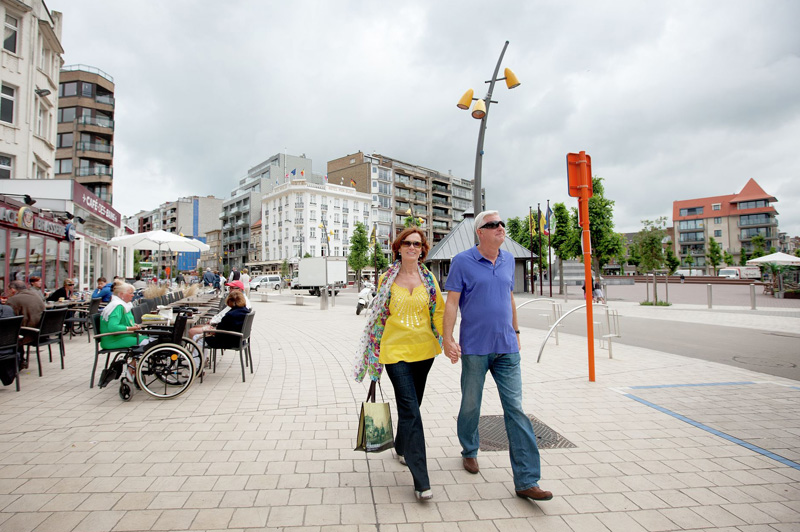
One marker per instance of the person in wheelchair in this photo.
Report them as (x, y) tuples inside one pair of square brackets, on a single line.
[(117, 317)]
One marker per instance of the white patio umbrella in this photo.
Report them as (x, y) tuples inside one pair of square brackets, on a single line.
[(159, 241), (781, 259)]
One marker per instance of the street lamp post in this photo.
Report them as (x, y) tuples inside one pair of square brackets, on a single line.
[(481, 112), (323, 303)]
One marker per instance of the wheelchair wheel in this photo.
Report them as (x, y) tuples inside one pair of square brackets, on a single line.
[(165, 371), (124, 391), (190, 345)]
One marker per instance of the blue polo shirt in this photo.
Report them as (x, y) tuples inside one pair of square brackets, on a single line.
[(485, 302)]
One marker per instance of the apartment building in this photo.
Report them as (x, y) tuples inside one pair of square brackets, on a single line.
[(293, 212), (732, 220), (29, 68), (85, 142), (243, 208), (399, 189)]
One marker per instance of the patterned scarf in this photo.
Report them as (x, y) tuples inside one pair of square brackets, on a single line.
[(369, 348)]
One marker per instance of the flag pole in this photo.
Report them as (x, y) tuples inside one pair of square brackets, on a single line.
[(538, 221), (530, 230), (549, 264)]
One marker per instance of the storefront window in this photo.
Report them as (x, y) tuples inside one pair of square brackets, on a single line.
[(91, 260), (16, 256), (63, 263), (36, 257), (51, 256)]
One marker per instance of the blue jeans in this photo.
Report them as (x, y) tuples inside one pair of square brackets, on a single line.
[(408, 380), (523, 450)]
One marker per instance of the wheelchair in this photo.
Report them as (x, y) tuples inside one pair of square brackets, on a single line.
[(163, 368)]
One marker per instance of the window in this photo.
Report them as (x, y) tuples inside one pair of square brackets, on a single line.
[(717, 219), (7, 104), (68, 89), (42, 122), (685, 225), (717, 233), (384, 188), (10, 35), (64, 140), (5, 167), (691, 211), (385, 202), (753, 204), (63, 166), (67, 114), (336, 234), (312, 232), (716, 206), (86, 89)]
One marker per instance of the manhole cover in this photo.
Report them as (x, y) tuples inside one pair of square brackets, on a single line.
[(755, 361), (492, 430)]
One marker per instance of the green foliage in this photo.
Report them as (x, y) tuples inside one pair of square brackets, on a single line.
[(797, 252), (377, 254), (657, 303), (565, 240), (648, 244), (633, 258), (743, 258), (759, 244), (137, 257), (284, 269), (714, 254), (606, 244), (689, 260), (671, 260), (359, 249), (727, 258)]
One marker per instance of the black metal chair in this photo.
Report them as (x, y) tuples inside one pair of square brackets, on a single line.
[(217, 340), (49, 332), (82, 319), (9, 344), (138, 312)]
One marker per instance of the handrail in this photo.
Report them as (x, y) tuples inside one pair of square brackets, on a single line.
[(547, 336)]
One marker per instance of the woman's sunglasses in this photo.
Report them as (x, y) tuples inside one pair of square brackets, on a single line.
[(411, 243), (493, 225)]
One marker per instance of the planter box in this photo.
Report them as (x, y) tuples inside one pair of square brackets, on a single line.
[(791, 295)]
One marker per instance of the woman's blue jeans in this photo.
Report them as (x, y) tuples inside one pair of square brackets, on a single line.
[(523, 450), (408, 380)]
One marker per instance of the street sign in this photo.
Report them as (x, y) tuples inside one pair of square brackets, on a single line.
[(574, 174)]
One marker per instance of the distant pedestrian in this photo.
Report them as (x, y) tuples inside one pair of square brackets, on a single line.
[(481, 285), (597, 293), (245, 279)]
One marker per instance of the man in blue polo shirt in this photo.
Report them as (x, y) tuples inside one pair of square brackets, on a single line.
[(481, 284)]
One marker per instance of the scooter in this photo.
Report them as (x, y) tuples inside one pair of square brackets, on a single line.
[(365, 297)]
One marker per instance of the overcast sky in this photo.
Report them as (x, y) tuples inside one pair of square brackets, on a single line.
[(672, 99)]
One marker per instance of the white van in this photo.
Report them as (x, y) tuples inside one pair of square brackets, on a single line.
[(740, 272), (273, 281)]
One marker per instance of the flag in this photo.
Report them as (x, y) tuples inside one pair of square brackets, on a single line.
[(372, 237), (294, 172), (543, 224), (302, 173), (531, 225), (352, 182), (546, 230), (325, 177)]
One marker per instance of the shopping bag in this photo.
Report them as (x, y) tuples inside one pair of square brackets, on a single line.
[(375, 433)]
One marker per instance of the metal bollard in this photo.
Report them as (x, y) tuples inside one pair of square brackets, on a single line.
[(752, 296), (566, 289), (708, 290)]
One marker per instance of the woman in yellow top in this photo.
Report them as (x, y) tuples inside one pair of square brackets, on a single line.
[(404, 331)]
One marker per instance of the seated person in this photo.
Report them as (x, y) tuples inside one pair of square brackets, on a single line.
[(63, 293), (103, 290), (117, 317), (36, 283), (233, 320), (235, 286)]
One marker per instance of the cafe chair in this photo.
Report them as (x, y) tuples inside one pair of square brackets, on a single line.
[(216, 340), (81, 319), (49, 332), (9, 346)]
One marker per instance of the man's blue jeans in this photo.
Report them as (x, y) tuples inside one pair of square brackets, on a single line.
[(408, 380), (505, 370)]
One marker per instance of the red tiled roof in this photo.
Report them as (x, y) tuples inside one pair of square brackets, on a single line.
[(752, 191)]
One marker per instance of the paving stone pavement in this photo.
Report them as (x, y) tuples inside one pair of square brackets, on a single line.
[(664, 442)]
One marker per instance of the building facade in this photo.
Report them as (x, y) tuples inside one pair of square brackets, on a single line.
[(243, 208), (399, 190), (29, 68), (732, 221), (293, 212), (85, 142)]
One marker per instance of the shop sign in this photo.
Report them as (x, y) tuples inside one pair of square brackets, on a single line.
[(25, 218), (83, 197)]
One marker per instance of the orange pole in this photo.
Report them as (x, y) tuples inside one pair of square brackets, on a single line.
[(583, 206)]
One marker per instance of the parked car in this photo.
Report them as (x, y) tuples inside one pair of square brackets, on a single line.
[(267, 280)]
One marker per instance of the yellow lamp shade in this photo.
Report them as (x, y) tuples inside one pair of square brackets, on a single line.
[(479, 109), (465, 100), (511, 79)]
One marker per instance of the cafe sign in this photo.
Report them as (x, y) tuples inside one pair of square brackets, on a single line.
[(84, 198), (26, 218)]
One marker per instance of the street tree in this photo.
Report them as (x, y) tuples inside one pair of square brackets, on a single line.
[(284, 269), (649, 243), (359, 250), (728, 259), (759, 245), (378, 259), (714, 254), (689, 260), (564, 239), (743, 258), (606, 244), (633, 257), (671, 260)]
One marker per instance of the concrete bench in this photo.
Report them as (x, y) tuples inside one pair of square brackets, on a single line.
[(264, 296), (299, 300)]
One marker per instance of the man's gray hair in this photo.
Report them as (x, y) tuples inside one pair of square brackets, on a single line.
[(481, 216), (18, 285)]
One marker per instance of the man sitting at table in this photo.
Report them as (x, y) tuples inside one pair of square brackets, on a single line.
[(28, 303), (64, 293), (103, 290)]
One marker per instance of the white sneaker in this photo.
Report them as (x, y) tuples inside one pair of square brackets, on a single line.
[(424, 495)]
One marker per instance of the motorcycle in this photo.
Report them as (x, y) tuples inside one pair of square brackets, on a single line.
[(365, 297)]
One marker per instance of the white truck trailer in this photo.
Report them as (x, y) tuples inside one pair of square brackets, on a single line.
[(311, 274), (740, 272)]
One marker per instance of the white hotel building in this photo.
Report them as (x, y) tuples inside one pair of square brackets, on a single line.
[(293, 211)]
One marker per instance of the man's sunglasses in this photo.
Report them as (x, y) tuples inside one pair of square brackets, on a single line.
[(411, 243), (493, 225)]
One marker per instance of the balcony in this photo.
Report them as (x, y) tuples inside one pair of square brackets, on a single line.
[(106, 123), (770, 222), (345, 210), (105, 99), (748, 238), (299, 204), (298, 221), (223, 215), (93, 146), (323, 207), (440, 188), (94, 170)]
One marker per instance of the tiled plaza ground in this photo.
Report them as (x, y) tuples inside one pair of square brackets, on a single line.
[(276, 452)]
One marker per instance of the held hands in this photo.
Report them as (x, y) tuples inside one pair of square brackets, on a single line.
[(452, 350)]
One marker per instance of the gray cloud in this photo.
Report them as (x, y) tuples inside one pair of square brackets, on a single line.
[(673, 100)]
